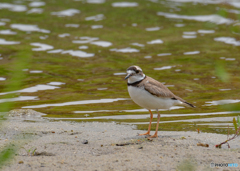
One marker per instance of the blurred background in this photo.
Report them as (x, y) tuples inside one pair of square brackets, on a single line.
[(68, 59)]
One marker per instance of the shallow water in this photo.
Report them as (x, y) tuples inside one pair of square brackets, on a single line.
[(80, 51)]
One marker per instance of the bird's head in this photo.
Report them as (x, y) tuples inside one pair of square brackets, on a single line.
[(134, 74)]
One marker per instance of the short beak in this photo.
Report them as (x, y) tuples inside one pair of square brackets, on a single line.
[(129, 75)]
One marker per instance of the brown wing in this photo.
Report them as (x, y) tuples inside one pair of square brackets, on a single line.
[(158, 89)]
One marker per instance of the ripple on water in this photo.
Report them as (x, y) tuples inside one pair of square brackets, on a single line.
[(97, 17), (153, 29), (189, 36), (164, 54), (56, 83), (5, 20), (120, 73), (230, 59), (102, 43), (35, 71), (163, 68), (37, 4), (2, 24), (20, 98), (221, 102), (7, 32), (146, 116), (228, 40), (28, 27), (83, 47), (72, 25), (125, 4), (138, 44), (125, 50), (2, 79), (157, 41), (77, 103), (41, 47), (206, 31), (43, 37), (203, 18), (5, 42), (179, 25), (226, 89), (233, 3), (78, 53), (35, 11), (190, 32), (102, 88), (55, 51), (96, 26), (191, 53), (66, 13), (32, 89), (95, 1), (13, 7), (64, 35), (85, 39)]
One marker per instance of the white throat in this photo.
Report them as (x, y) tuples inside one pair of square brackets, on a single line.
[(135, 78)]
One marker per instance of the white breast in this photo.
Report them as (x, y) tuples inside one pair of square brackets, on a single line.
[(149, 101)]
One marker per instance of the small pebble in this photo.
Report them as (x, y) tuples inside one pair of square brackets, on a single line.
[(20, 162), (85, 142)]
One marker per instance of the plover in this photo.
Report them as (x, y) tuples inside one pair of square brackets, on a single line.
[(150, 94)]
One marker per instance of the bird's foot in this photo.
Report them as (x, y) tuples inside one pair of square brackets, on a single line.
[(153, 136), (147, 133)]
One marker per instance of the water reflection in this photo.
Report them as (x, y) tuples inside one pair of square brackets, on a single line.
[(153, 29), (102, 43), (123, 40), (41, 47), (125, 50), (68, 12), (20, 98), (13, 7), (124, 4), (32, 89), (37, 4), (203, 18), (5, 42), (96, 26), (76, 103), (157, 41), (7, 32), (221, 102), (164, 54), (97, 17), (28, 27), (228, 40), (191, 53), (146, 116), (163, 68)]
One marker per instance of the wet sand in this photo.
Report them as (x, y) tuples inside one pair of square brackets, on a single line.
[(108, 146)]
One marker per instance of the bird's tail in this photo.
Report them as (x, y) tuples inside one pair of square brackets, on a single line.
[(188, 104)]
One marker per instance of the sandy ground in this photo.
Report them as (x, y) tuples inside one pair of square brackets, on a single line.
[(94, 146)]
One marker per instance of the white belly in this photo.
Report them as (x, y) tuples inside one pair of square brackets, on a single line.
[(148, 101)]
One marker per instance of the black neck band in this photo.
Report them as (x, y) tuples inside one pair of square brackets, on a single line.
[(135, 83)]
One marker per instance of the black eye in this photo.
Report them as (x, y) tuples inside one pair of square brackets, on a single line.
[(137, 71)]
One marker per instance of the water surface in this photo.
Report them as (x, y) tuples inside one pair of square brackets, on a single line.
[(80, 51)]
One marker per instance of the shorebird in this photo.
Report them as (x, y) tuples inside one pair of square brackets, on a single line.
[(150, 94)]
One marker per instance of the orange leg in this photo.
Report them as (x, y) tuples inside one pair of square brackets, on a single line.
[(158, 119), (150, 123)]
